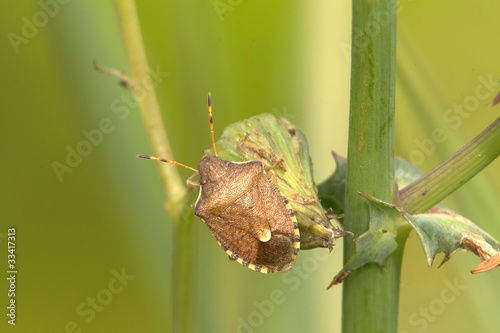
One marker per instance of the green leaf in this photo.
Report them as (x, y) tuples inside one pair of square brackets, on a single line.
[(405, 172), (441, 230), (331, 191), (376, 244)]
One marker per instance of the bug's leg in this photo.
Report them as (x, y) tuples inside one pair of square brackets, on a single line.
[(331, 215), (240, 148), (192, 183), (270, 159), (277, 163)]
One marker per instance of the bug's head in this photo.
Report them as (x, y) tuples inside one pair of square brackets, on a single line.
[(211, 168)]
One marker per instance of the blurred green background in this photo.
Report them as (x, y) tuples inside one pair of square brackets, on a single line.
[(103, 216)]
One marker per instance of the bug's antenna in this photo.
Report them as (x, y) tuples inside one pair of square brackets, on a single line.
[(211, 121), (161, 159)]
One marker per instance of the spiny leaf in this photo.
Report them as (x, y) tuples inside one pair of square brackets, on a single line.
[(376, 244), (441, 230), (331, 191)]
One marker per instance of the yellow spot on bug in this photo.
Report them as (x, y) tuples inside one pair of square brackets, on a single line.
[(265, 236)]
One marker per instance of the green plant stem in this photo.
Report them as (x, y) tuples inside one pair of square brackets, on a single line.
[(146, 98), (370, 293), (183, 314), (448, 176)]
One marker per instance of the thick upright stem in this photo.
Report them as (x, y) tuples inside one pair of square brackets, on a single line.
[(370, 293)]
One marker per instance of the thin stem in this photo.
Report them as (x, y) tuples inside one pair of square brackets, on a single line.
[(447, 177), (183, 308), (148, 104)]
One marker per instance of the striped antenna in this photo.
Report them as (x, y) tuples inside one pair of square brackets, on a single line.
[(161, 159), (211, 122)]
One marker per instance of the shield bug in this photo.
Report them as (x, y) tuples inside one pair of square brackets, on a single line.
[(244, 210), (275, 141)]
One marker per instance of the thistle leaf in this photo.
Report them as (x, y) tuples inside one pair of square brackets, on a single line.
[(440, 230)]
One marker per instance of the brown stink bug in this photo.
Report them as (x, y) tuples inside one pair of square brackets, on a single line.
[(244, 210)]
